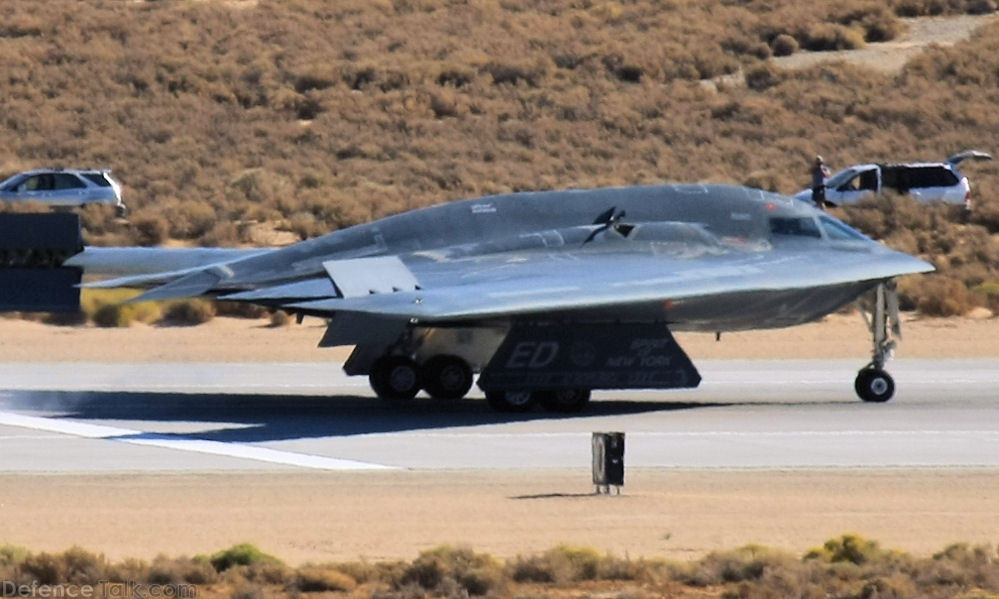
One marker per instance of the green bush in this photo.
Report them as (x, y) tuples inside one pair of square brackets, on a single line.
[(243, 554), (12, 554), (107, 307), (850, 548), (990, 291)]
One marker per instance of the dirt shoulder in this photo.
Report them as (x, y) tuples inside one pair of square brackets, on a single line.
[(240, 340), (378, 516)]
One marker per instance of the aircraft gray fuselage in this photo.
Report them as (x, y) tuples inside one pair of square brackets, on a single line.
[(549, 294)]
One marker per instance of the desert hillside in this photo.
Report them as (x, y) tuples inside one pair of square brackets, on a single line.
[(227, 118)]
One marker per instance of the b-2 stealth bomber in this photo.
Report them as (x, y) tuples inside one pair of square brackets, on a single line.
[(548, 295)]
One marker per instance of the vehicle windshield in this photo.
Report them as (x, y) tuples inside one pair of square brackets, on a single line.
[(12, 183), (838, 231), (841, 177)]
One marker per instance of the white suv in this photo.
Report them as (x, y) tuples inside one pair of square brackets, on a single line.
[(64, 187), (924, 181)]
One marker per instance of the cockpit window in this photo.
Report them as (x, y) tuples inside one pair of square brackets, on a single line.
[(838, 231), (801, 226)]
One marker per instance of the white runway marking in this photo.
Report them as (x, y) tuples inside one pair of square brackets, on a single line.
[(136, 437)]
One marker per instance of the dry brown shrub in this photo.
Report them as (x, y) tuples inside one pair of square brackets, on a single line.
[(312, 579), (188, 312), (239, 310), (981, 7), (877, 21), (937, 295), (74, 566), (845, 566), (784, 45), (824, 37), (748, 563), (224, 234), (166, 570), (152, 229), (280, 318), (919, 8), (762, 77), (111, 316), (454, 570), (66, 319)]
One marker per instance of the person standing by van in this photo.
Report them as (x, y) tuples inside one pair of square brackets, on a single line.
[(819, 175)]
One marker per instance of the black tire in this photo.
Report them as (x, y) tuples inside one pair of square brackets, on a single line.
[(511, 401), (874, 385), (566, 401), (395, 378), (446, 377)]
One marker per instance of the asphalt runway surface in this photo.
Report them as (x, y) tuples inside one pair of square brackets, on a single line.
[(94, 417)]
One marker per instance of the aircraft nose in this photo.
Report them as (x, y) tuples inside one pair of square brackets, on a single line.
[(910, 265)]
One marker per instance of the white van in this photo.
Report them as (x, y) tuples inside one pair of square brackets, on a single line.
[(924, 181)]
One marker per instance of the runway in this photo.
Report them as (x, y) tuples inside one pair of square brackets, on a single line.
[(94, 417)]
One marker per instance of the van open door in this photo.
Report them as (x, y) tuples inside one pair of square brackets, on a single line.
[(969, 155)]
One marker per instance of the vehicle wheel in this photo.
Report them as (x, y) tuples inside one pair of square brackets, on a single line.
[(394, 377), (446, 377), (566, 401), (122, 211), (511, 401), (874, 385)]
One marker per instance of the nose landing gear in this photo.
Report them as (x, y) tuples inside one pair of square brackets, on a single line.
[(873, 384)]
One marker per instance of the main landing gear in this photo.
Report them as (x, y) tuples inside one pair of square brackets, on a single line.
[(873, 384), (447, 377), (400, 378)]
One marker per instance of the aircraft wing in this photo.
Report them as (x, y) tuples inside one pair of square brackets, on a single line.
[(148, 267), (499, 286)]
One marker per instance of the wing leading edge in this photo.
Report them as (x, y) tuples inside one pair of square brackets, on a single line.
[(545, 283)]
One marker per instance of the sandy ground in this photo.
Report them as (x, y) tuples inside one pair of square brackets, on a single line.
[(240, 340), (376, 516)]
